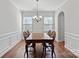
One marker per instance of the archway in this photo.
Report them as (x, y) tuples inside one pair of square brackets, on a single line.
[(61, 27)]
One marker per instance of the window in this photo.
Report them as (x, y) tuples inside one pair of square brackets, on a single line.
[(27, 23), (48, 23)]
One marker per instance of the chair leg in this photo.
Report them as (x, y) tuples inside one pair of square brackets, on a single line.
[(26, 50), (55, 54), (45, 50), (24, 54), (52, 47)]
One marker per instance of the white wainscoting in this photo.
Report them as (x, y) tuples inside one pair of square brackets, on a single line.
[(8, 40), (72, 42)]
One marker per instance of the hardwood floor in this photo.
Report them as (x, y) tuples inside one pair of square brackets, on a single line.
[(18, 52)]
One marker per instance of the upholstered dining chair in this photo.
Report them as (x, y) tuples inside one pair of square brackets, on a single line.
[(51, 45), (26, 35)]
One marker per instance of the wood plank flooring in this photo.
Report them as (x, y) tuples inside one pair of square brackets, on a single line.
[(18, 52)]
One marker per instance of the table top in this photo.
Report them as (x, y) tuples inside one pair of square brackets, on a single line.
[(39, 36)]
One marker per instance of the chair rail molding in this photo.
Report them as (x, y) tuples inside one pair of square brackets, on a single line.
[(9, 40)]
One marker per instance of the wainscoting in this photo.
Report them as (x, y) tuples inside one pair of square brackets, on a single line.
[(8, 40), (72, 42)]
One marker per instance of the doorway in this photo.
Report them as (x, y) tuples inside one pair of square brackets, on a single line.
[(61, 27)]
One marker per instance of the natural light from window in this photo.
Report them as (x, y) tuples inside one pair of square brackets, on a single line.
[(48, 23)]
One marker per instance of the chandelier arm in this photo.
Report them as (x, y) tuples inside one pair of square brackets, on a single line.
[(37, 17), (37, 8)]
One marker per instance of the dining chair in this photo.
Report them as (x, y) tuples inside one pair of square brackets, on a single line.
[(49, 33), (26, 35), (50, 44)]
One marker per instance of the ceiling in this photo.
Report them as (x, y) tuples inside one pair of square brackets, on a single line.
[(46, 5)]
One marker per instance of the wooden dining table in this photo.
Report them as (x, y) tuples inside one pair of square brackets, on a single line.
[(38, 38)]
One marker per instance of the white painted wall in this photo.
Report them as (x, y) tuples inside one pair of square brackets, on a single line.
[(10, 26), (71, 11), (9, 17), (38, 27)]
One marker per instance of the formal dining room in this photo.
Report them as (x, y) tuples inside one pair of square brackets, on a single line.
[(39, 28)]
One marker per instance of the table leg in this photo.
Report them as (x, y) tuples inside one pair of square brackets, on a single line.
[(44, 49), (34, 47)]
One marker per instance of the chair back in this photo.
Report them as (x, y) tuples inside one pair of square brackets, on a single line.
[(53, 35), (28, 32), (26, 35), (49, 33)]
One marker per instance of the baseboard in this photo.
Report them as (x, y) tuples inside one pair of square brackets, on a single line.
[(74, 52), (9, 48), (72, 42), (8, 41)]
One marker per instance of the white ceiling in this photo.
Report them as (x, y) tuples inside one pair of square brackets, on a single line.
[(46, 5)]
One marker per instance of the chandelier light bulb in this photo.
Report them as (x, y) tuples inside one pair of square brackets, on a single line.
[(40, 17)]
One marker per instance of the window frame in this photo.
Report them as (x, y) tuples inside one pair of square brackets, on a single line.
[(48, 24), (24, 25)]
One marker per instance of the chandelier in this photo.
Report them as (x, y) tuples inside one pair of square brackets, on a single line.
[(37, 17)]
